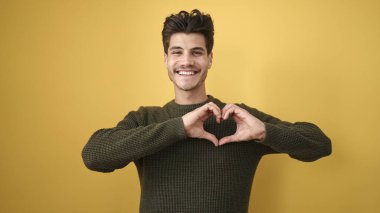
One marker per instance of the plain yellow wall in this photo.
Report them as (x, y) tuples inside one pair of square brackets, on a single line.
[(68, 68)]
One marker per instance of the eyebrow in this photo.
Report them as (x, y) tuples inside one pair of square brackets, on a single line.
[(180, 48), (199, 48), (175, 48)]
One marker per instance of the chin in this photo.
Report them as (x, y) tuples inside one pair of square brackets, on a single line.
[(185, 87)]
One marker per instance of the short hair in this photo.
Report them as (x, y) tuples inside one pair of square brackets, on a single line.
[(193, 22)]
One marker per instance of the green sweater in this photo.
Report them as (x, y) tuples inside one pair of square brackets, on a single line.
[(180, 174)]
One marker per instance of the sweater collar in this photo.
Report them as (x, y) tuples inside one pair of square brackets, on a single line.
[(189, 107)]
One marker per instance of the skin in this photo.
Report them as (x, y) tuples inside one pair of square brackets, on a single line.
[(187, 52), (187, 63)]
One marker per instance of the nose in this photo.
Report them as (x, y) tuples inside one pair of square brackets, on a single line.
[(187, 60)]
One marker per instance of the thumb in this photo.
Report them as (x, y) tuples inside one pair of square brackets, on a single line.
[(227, 139), (210, 137)]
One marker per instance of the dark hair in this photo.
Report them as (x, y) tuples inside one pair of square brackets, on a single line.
[(193, 22)]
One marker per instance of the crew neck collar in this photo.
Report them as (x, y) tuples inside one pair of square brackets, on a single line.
[(173, 104)]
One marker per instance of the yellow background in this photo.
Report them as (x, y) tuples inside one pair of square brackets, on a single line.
[(71, 67)]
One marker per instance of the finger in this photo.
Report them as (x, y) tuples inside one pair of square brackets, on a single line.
[(236, 112), (215, 110), (225, 108), (228, 111), (228, 139), (204, 112), (210, 137)]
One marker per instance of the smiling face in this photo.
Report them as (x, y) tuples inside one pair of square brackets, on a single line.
[(187, 61)]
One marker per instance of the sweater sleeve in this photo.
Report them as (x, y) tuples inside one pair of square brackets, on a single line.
[(114, 148), (300, 140)]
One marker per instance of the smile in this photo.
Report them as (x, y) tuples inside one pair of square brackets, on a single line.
[(187, 72)]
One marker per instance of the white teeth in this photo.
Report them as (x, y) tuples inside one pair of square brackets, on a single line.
[(186, 72)]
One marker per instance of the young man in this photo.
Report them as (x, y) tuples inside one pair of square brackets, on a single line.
[(180, 170)]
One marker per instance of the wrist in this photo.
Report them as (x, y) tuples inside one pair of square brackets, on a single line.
[(261, 133), (185, 124)]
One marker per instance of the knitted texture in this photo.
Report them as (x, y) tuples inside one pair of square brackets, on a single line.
[(180, 174)]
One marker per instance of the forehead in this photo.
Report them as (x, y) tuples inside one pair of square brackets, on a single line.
[(187, 40)]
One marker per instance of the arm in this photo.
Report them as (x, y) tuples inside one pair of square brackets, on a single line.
[(114, 148), (301, 140)]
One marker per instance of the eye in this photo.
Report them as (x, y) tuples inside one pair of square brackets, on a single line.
[(197, 53), (176, 52)]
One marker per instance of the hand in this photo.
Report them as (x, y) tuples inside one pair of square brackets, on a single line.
[(248, 127), (193, 122)]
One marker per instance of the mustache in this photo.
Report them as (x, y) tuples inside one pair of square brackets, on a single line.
[(186, 68)]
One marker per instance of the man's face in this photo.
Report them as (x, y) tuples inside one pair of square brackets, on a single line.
[(187, 61)]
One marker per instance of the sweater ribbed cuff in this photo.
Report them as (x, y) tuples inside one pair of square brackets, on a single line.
[(274, 135), (178, 128)]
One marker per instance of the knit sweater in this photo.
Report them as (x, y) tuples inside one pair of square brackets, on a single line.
[(181, 174)]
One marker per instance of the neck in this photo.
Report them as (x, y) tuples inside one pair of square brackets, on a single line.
[(190, 97)]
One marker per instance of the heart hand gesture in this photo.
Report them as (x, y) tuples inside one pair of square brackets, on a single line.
[(248, 127), (193, 122)]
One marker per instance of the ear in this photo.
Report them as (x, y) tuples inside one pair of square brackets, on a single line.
[(210, 56), (166, 59)]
